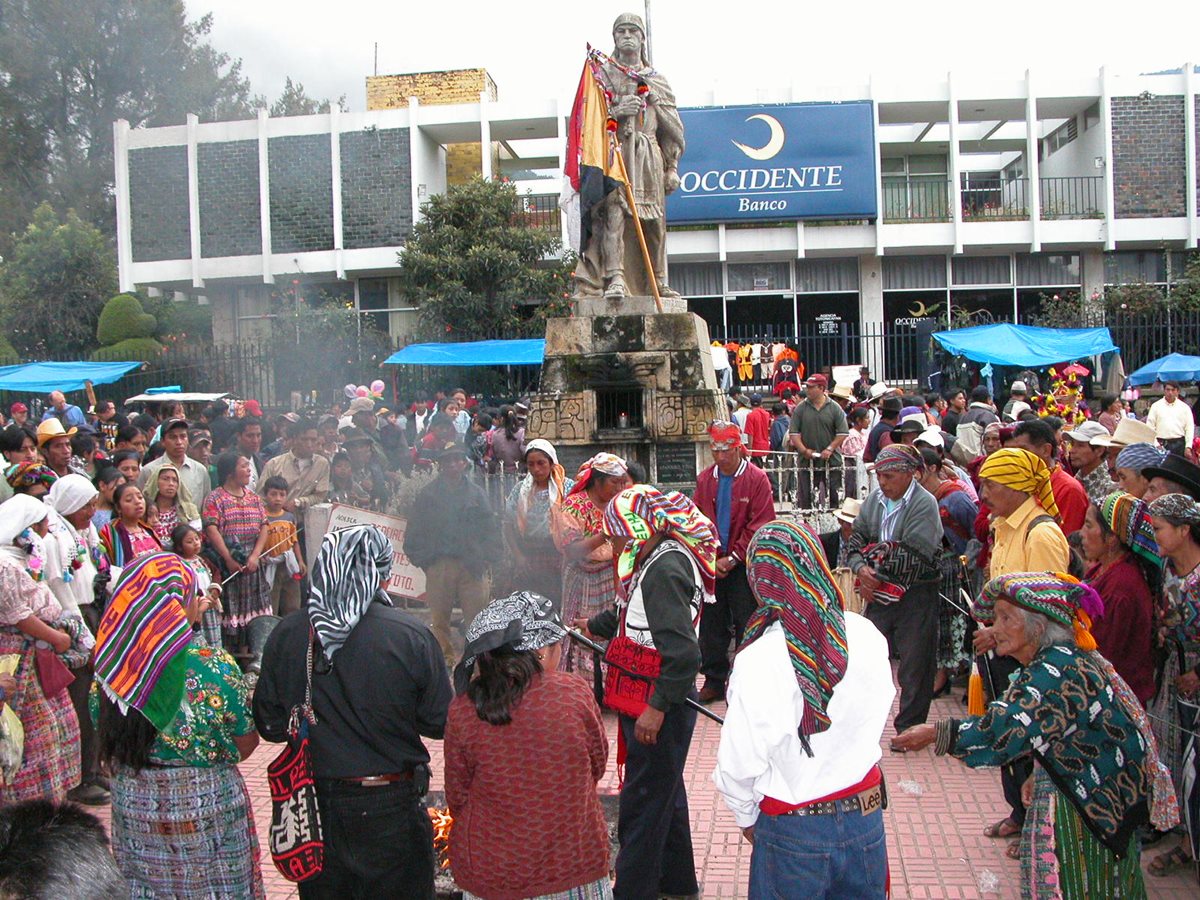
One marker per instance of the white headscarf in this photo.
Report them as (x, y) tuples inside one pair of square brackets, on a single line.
[(18, 513), (70, 494)]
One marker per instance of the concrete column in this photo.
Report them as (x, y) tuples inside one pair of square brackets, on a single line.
[(1110, 196), (870, 294), (193, 125), (335, 162), (1091, 273), (878, 167), (485, 137), (264, 198), (1189, 152), (414, 166), (955, 176), (223, 301), (124, 215), (1034, 183)]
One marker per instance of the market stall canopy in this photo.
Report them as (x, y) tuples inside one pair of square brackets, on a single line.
[(472, 353), (1006, 344), (1172, 367), (43, 377)]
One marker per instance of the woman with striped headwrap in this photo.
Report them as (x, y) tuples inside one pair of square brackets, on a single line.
[(808, 700), (666, 552), (1118, 541), (1098, 777)]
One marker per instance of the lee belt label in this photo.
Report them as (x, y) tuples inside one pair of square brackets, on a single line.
[(870, 801)]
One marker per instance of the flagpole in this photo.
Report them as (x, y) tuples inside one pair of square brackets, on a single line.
[(637, 224)]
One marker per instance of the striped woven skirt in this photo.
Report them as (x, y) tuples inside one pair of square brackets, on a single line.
[(185, 832), (50, 766), (585, 593)]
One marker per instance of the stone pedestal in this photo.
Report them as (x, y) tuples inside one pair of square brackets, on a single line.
[(622, 377)]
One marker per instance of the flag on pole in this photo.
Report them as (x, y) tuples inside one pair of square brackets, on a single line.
[(591, 170)]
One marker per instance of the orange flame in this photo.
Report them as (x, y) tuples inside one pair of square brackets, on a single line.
[(442, 823)]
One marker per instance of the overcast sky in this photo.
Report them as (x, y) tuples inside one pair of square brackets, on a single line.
[(535, 47)]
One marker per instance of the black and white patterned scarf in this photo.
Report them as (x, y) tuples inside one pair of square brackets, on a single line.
[(348, 574), (523, 621)]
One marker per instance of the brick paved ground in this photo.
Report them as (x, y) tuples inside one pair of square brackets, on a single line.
[(938, 810)]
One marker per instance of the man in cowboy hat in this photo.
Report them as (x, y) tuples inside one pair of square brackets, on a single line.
[(836, 543), (54, 443), (1128, 431), (1174, 475), (737, 498), (1088, 459)]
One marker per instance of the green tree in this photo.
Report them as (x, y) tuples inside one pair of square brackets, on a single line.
[(54, 284), (477, 269), (70, 68), (125, 331), (294, 101)]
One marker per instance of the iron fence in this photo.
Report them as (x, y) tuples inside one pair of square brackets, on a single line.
[(1075, 197), (916, 201), (996, 198)]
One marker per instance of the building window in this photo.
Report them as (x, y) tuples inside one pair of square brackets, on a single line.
[(981, 270), (1061, 136), (696, 279), (911, 273), (759, 276)]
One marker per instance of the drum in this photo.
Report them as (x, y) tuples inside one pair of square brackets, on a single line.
[(844, 579)]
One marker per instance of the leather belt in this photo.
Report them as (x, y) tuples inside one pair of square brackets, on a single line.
[(377, 780), (867, 802)]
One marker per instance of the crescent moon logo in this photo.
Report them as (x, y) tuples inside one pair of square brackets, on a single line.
[(771, 147), (918, 310)]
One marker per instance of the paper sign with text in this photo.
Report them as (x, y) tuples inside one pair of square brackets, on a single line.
[(406, 580)]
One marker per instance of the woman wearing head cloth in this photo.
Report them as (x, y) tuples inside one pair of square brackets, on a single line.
[(587, 580), (378, 685), (1125, 570), (666, 569), (1132, 459), (527, 524), (72, 556), (169, 502), (31, 625), (810, 693), (1097, 777), (1176, 522), (518, 733), (173, 724)]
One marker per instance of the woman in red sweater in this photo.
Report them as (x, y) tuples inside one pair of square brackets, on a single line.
[(524, 748), (1119, 544)]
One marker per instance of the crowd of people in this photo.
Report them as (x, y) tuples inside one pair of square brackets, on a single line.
[(162, 618)]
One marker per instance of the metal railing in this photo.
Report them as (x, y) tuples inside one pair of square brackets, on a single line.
[(541, 211), (806, 487), (916, 201), (1074, 197), (995, 199)]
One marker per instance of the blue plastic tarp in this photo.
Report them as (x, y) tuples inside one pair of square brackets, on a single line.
[(1006, 344), (472, 353), (43, 377), (1172, 367)]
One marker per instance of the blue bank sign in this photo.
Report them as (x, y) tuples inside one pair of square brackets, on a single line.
[(805, 161)]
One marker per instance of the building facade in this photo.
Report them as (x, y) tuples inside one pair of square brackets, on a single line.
[(871, 208)]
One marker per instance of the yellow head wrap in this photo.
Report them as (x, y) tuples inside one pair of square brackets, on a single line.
[(1022, 471)]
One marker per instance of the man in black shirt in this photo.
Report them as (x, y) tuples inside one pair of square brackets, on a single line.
[(889, 415), (376, 691)]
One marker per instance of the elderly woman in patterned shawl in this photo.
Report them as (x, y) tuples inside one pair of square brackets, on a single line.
[(528, 524), (172, 726), (519, 733), (1097, 775)]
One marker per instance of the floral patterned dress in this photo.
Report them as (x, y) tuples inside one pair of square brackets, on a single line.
[(588, 585)]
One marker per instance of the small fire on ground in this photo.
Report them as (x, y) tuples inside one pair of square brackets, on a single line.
[(442, 823)]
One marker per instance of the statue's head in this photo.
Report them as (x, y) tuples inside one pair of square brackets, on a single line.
[(629, 33)]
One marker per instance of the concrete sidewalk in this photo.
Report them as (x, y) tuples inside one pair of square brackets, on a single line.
[(936, 847)]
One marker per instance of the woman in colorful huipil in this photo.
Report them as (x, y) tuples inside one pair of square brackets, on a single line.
[(531, 507), (29, 625), (1097, 776), (128, 536), (173, 733), (1176, 522), (587, 582), (235, 523)]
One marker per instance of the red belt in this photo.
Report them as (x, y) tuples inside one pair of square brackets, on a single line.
[(772, 807)]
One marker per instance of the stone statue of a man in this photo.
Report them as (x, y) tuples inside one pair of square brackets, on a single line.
[(651, 136)]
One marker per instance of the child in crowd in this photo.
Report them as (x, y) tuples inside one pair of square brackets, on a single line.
[(106, 481), (283, 548), (187, 543), (342, 488)]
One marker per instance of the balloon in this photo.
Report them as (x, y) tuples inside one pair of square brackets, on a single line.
[(377, 387), (361, 391), (349, 391)]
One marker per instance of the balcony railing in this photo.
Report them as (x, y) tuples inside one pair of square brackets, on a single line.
[(1076, 197), (916, 201), (995, 200), (540, 211)]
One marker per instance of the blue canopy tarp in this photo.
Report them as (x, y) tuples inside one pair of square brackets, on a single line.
[(472, 353), (1006, 344), (43, 377), (1172, 367)]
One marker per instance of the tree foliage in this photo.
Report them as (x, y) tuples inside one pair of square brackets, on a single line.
[(123, 318), (54, 285), (477, 269), (294, 101), (70, 68)]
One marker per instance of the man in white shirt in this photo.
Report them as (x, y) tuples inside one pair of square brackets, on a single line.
[(192, 474), (1172, 421), (798, 761)]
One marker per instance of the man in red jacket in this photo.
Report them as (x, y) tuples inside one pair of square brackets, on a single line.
[(758, 429), (737, 497)]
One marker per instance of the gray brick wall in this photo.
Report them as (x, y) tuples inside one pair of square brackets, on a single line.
[(376, 188), (158, 201), (230, 224), (1148, 156), (301, 193)]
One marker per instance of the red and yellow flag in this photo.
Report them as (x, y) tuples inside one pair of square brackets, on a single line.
[(592, 169)]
